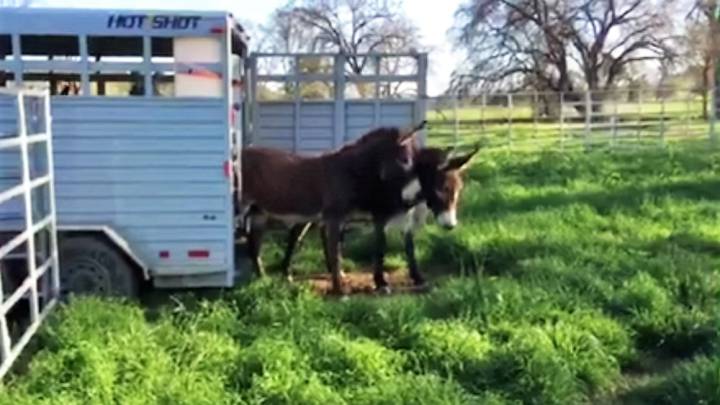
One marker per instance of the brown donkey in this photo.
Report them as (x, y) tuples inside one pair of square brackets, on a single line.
[(300, 189), (436, 183)]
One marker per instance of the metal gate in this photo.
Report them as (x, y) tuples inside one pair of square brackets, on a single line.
[(29, 279), (311, 103)]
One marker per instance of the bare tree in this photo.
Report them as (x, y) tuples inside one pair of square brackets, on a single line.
[(702, 46), (559, 45), (345, 26), (284, 33)]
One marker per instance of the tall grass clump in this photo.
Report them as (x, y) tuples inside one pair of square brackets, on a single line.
[(106, 352), (388, 320), (274, 370), (660, 322), (693, 382), (346, 361), (429, 389)]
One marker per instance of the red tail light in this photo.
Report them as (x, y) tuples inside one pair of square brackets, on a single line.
[(198, 254)]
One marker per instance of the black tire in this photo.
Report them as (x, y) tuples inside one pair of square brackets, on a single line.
[(90, 266)]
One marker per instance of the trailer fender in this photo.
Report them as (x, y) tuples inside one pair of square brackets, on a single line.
[(114, 237)]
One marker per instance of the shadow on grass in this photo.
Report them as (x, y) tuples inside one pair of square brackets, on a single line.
[(497, 257), (691, 243), (669, 381), (628, 197)]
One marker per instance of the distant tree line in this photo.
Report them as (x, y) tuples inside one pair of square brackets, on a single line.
[(571, 46)]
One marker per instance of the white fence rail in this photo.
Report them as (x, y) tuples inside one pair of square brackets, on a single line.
[(33, 276), (622, 118)]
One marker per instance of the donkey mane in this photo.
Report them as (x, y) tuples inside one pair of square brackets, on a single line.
[(367, 141), (376, 135), (433, 157)]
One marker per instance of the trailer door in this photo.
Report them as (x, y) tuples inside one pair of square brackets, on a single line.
[(29, 278)]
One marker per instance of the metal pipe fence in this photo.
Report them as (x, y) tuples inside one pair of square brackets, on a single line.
[(627, 118)]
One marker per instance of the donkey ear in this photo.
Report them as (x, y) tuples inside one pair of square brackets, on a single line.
[(406, 138), (419, 126), (459, 162), (410, 135)]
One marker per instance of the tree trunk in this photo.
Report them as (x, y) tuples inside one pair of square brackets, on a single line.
[(707, 71)]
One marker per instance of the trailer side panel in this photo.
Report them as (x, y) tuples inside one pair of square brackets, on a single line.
[(153, 170)]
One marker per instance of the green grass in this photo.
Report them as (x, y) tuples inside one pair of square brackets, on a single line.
[(571, 276)]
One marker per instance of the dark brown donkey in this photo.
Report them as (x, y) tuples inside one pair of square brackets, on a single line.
[(436, 184), (299, 189)]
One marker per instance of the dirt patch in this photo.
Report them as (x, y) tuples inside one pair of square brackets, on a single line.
[(361, 283)]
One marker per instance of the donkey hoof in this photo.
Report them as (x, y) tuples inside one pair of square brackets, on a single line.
[(384, 290)]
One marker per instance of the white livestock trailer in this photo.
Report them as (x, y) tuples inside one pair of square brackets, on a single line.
[(149, 109), (145, 116)]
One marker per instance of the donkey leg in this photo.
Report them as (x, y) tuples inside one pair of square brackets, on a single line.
[(323, 241), (255, 235), (415, 275), (417, 216), (381, 284), (334, 259), (297, 232)]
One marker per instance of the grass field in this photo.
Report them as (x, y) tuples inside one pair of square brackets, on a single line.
[(574, 277)]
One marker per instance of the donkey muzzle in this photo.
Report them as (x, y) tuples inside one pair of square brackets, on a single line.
[(447, 219)]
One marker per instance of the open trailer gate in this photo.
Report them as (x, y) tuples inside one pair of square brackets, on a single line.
[(29, 272), (312, 103)]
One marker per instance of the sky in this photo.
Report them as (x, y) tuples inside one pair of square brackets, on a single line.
[(433, 17)]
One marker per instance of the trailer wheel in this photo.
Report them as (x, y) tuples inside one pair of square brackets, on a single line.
[(89, 266)]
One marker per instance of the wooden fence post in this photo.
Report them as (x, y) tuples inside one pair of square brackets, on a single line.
[(562, 120), (713, 115), (639, 118), (482, 113), (456, 117), (509, 117), (615, 119), (662, 119), (536, 112), (588, 117)]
